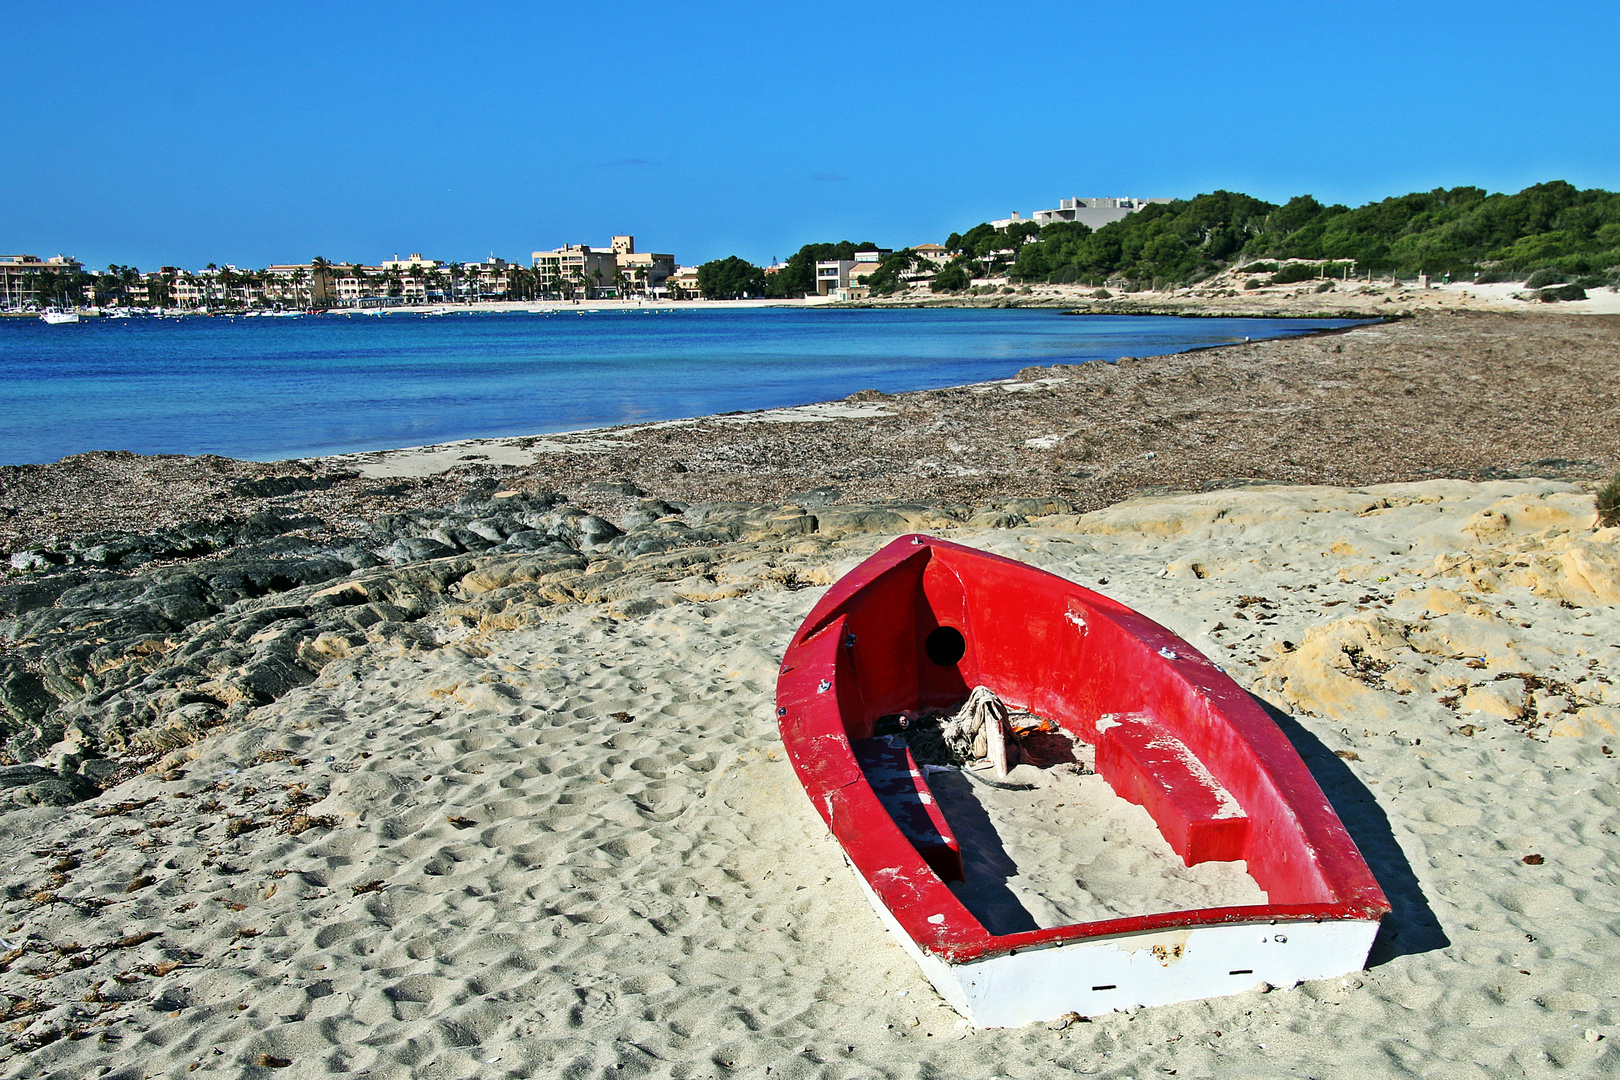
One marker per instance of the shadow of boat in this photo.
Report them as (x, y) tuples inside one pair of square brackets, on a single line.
[(1411, 926)]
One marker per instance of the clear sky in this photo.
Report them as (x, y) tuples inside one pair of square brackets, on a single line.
[(251, 134)]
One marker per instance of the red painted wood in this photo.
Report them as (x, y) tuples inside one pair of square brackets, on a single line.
[(1146, 764), (1065, 652), (901, 787)]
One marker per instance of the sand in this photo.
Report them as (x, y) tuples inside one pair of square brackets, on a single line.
[(1053, 847), (568, 843)]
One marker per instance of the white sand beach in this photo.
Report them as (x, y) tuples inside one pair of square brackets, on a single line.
[(559, 838)]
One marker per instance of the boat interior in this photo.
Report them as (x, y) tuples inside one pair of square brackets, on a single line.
[(1183, 752)]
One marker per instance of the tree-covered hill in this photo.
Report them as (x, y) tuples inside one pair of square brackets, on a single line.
[(1554, 230), (1552, 226)]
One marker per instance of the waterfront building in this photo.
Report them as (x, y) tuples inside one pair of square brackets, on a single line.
[(645, 272), (301, 284), (842, 278), (20, 277), (186, 291), (356, 283), (491, 278), (576, 268), (683, 284)]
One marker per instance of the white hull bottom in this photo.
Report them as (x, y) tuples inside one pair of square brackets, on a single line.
[(1158, 967)]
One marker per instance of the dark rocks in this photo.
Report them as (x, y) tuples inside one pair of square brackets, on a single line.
[(271, 487), (35, 785), (529, 540), (24, 700), (663, 536), (13, 776), (650, 510), (415, 548), (593, 531), (36, 559), (273, 674), (613, 487), (140, 659)]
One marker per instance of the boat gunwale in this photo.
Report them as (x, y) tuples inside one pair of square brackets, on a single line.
[(880, 853)]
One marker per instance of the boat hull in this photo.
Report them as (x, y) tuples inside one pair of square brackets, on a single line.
[(1132, 970), (922, 621)]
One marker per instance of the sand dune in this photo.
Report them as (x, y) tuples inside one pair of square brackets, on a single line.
[(567, 843)]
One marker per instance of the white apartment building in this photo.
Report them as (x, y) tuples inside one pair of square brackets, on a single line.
[(1093, 213), (841, 278)]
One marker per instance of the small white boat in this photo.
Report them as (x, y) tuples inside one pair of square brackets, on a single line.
[(53, 316)]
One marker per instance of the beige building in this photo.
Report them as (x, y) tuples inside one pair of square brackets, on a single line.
[(575, 268), (490, 278), (683, 284), (644, 271), (352, 286), (19, 277), (410, 265)]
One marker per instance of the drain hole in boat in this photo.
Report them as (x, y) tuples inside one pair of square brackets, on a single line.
[(945, 645), (1110, 986), (1242, 971)]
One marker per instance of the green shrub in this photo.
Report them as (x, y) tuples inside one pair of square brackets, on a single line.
[(1326, 286), (954, 278), (1293, 272), (1561, 292), (1254, 283), (1544, 277), (1608, 502), (1101, 294), (1261, 268)]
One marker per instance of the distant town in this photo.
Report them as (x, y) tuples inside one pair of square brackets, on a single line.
[(573, 272)]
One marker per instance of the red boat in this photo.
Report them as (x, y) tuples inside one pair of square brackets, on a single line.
[(923, 622)]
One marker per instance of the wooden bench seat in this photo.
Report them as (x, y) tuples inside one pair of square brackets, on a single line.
[(1146, 764)]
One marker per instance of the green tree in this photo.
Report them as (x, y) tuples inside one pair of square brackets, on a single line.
[(953, 278), (798, 275), (730, 278)]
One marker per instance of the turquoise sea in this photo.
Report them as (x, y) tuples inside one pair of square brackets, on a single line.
[(272, 388)]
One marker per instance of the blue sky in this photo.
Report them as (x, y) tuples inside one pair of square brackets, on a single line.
[(186, 133)]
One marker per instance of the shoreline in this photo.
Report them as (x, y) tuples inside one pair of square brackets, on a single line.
[(334, 449), (1222, 296), (1035, 443)]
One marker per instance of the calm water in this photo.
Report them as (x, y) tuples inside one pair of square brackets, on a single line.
[(267, 389)]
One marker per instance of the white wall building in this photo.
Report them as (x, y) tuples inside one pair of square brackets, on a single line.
[(1092, 213), (840, 278)]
